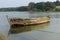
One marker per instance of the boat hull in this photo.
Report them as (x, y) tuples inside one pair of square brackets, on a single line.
[(28, 21)]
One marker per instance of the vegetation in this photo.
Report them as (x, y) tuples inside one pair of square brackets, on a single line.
[(57, 8), (2, 37), (40, 6)]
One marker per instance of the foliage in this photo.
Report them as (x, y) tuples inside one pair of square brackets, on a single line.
[(57, 8), (40, 6), (57, 3), (23, 8), (31, 6), (44, 6)]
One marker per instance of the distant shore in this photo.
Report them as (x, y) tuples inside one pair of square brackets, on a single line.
[(38, 7)]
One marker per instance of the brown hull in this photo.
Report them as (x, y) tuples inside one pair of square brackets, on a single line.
[(28, 21)]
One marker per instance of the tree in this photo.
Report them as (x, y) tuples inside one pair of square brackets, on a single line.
[(57, 3), (31, 5), (50, 5), (40, 6), (22, 8)]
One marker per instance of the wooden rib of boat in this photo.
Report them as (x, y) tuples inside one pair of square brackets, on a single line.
[(28, 21)]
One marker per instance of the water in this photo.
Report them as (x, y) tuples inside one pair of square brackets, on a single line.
[(47, 31)]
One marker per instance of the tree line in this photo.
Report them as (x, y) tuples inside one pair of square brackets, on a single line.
[(40, 6)]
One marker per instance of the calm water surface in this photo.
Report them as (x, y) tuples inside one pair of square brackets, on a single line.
[(47, 31)]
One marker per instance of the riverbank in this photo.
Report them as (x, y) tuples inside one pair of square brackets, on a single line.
[(2, 37)]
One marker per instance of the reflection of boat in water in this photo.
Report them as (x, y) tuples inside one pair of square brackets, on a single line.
[(27, 28), (28, 21)]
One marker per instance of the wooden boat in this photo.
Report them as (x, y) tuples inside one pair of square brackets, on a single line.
[(28, 21)]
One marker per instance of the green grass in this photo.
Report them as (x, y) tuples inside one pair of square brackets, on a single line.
[(1, 35), (58, 7)]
